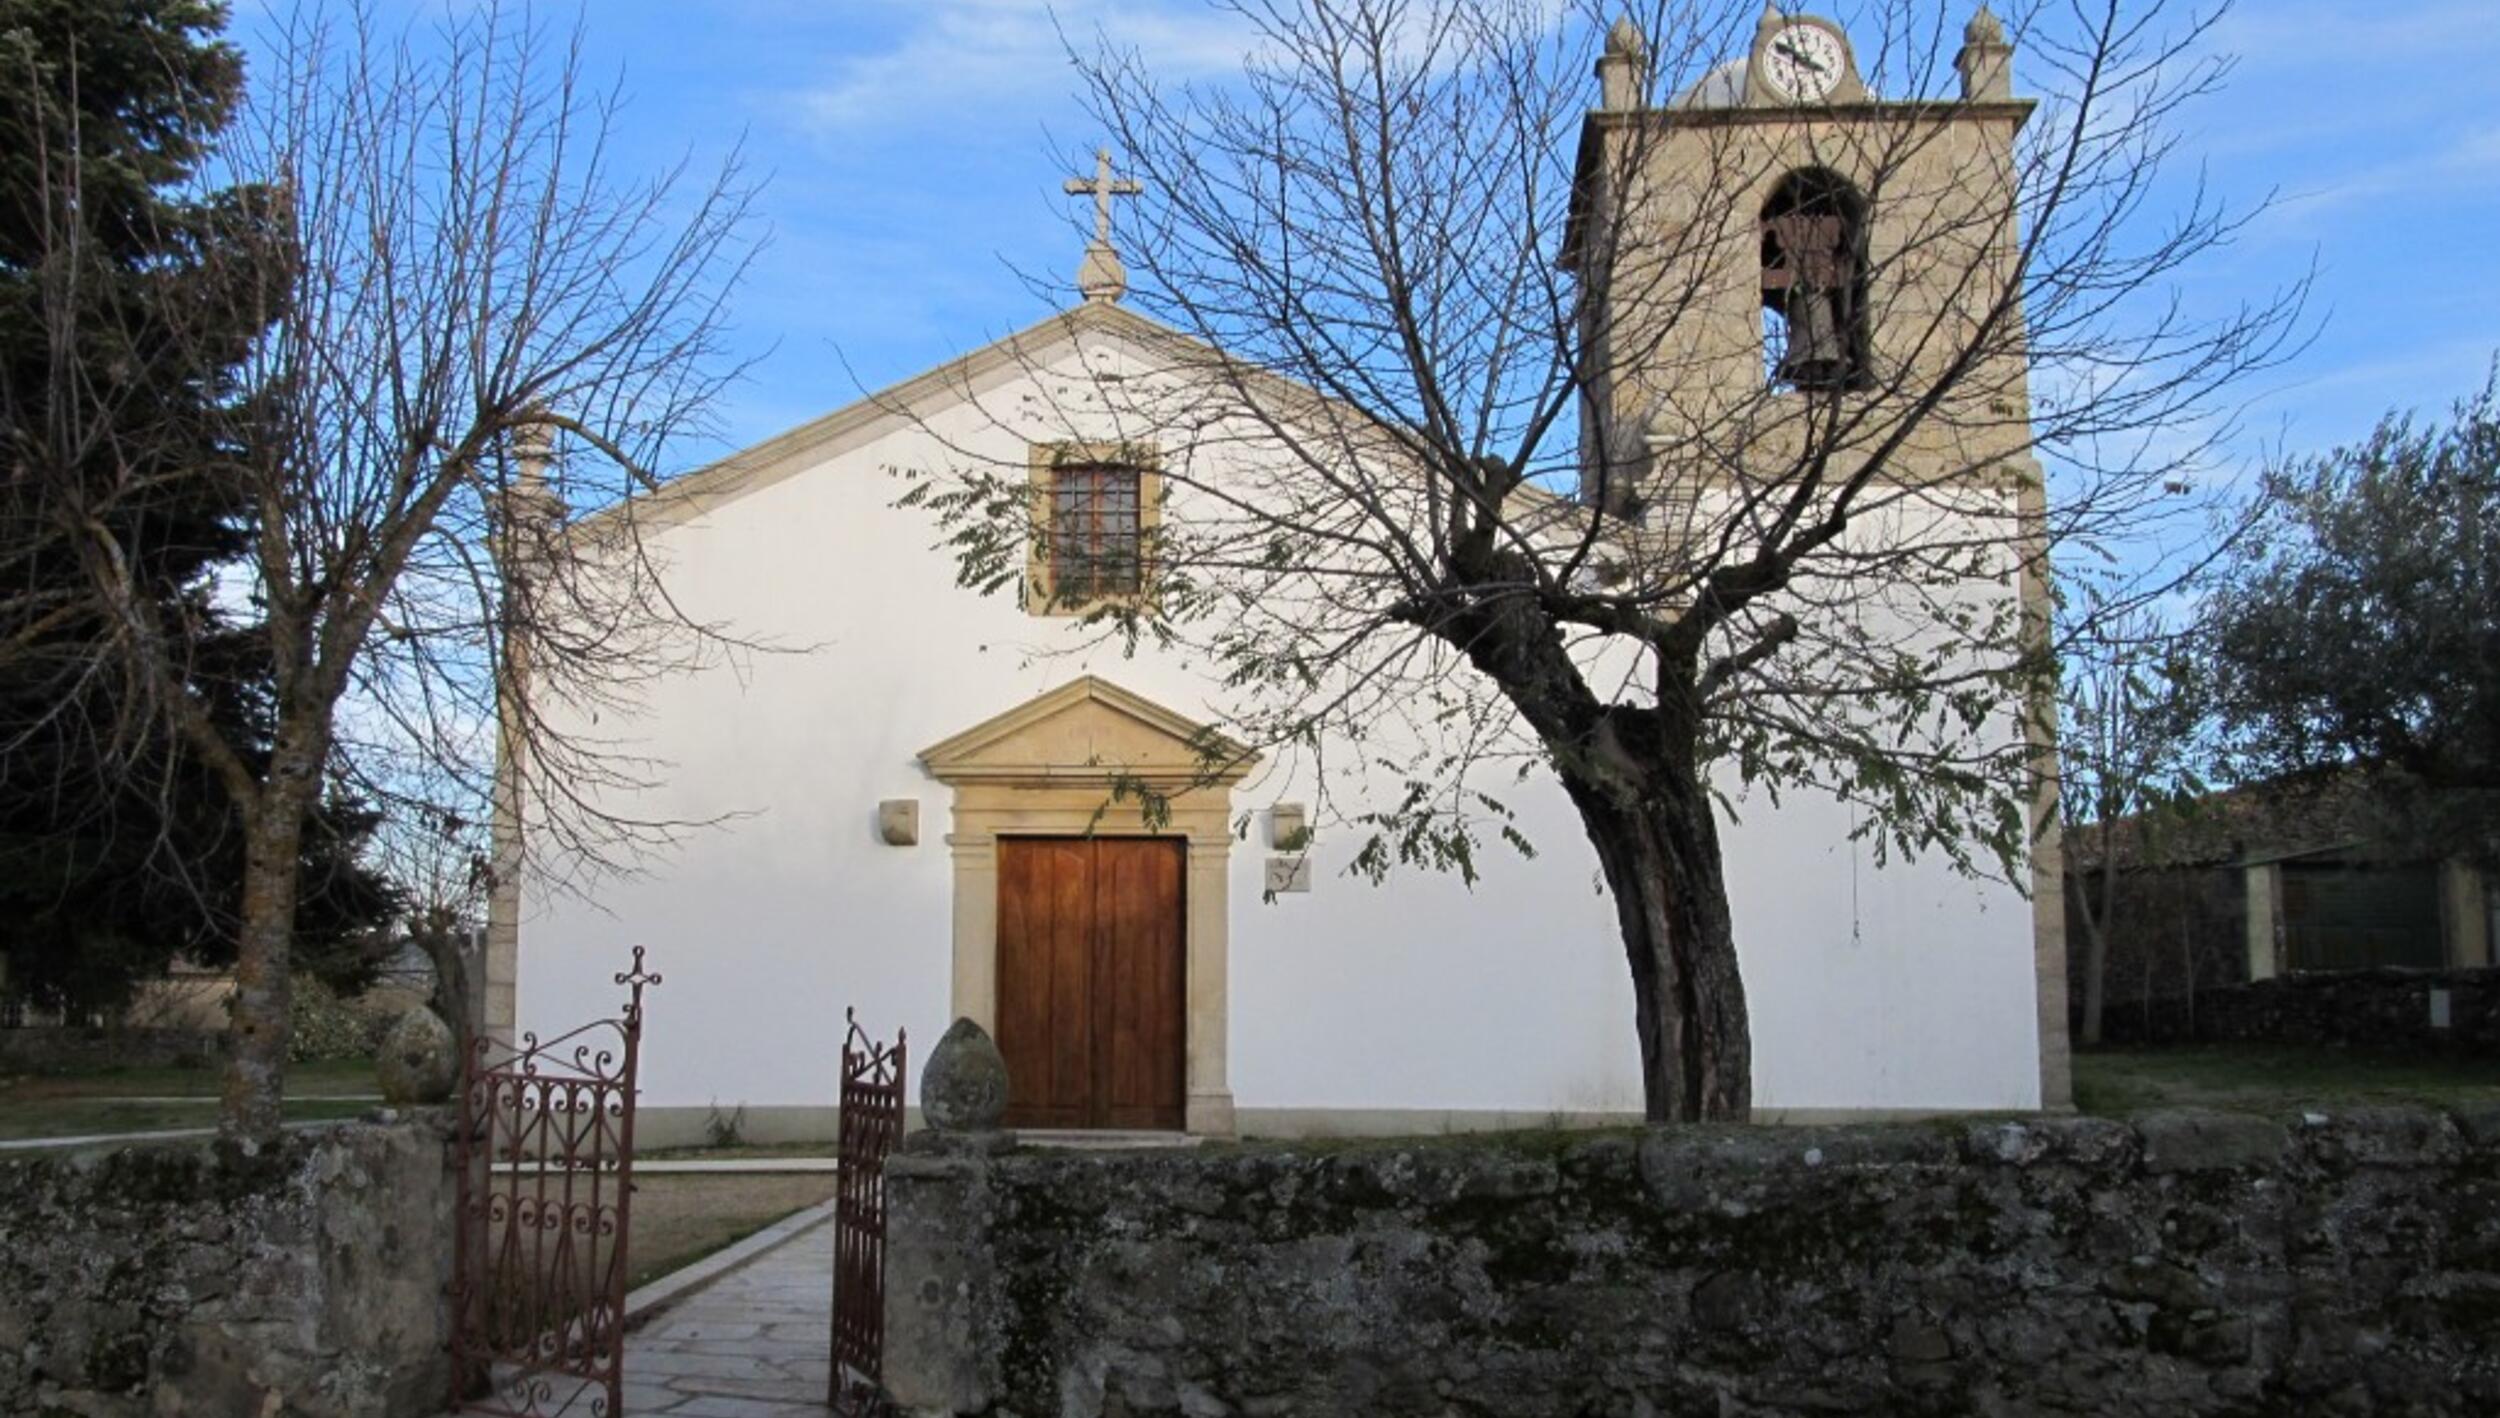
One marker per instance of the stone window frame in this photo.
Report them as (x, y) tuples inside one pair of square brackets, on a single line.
[(1040, 596)]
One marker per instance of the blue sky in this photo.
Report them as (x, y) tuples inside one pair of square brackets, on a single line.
[(915, 150)]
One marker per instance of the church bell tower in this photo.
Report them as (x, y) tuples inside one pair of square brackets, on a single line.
[(1778, 239)]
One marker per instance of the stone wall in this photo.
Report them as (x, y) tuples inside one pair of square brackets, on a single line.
[(307, 1280), (2174, 933), (2183, 1264), (2376, 1011)]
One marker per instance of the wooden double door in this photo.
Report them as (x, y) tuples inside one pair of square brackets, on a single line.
[(1092, 986)]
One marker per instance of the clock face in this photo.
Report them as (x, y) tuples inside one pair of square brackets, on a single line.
[(1804, 61)]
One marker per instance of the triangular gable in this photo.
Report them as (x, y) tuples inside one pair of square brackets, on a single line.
[(927, 394), (1089, 730), (919, 397)]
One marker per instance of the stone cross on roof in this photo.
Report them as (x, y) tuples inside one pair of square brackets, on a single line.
[(1102, 187), (1101, 276)]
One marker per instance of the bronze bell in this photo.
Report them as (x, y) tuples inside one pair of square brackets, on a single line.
[(1808, 275), (1817, 356)]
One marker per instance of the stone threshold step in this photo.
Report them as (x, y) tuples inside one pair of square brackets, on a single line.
[(1101, 1140)]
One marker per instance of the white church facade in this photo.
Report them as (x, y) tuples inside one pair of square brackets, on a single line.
[(914, 810)]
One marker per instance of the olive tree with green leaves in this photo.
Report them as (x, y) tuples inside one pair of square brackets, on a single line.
[(2361, 626)]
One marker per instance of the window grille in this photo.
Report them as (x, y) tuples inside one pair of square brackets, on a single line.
[(1095, 532)]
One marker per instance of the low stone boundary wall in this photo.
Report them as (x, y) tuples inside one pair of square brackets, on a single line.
[(2184, 1263), (2372, 1011), (308, 1280)]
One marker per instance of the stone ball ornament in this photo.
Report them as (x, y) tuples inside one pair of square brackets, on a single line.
[(419, 1061), (964, 1086)]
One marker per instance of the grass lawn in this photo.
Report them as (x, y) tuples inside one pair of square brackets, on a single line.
[(679, 1218), (2268, 1078), (152, 1099)]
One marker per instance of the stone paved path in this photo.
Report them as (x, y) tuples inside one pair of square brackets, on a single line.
[(753, 1344)]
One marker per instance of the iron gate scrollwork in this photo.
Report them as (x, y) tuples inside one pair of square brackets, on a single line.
[(872, 1120), (545, 1155)]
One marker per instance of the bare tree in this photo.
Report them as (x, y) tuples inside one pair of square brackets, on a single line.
[(119, 851), (2127, 743), (473, 323), (444, 866), (1685, 448)]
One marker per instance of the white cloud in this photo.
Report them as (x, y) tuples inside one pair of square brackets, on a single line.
[(2437, 33), (2466, 164), (2338, 403), (961, 60)]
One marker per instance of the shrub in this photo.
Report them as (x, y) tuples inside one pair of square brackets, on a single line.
[(725, 1129), (322, 1026)]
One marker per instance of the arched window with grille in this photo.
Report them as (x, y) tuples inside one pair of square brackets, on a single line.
[(1814, 306)]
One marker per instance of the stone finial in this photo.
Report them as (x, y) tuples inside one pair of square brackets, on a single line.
[(1101, 276), (1986, 62), (533, 447), (530, 509), (1772, 17), (418, 1060), (963, 1088), (1623, 70), (533, 498)]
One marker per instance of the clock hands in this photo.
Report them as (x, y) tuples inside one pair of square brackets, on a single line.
[(1799, 55)]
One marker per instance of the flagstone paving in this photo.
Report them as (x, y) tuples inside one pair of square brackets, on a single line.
[(753, 1344)]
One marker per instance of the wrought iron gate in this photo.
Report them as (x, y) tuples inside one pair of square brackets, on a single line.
[(545, 1154), (872, 1119)]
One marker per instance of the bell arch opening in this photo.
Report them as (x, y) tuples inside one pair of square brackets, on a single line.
[(1814, 284)]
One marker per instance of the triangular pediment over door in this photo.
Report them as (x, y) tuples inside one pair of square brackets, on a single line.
[(1089, 730)]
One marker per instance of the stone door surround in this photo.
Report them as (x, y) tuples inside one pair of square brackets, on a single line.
[(1068, 764)]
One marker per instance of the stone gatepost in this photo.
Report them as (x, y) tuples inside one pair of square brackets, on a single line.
[(941, 1342)]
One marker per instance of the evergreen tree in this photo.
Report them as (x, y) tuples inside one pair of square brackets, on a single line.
[(130, 291)]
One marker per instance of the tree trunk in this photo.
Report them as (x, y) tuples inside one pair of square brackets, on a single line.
[(2096, 936), (1635, 776), (1660, 853), (273, 827), (2187, 990), (456, 952), (2095, 976)]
